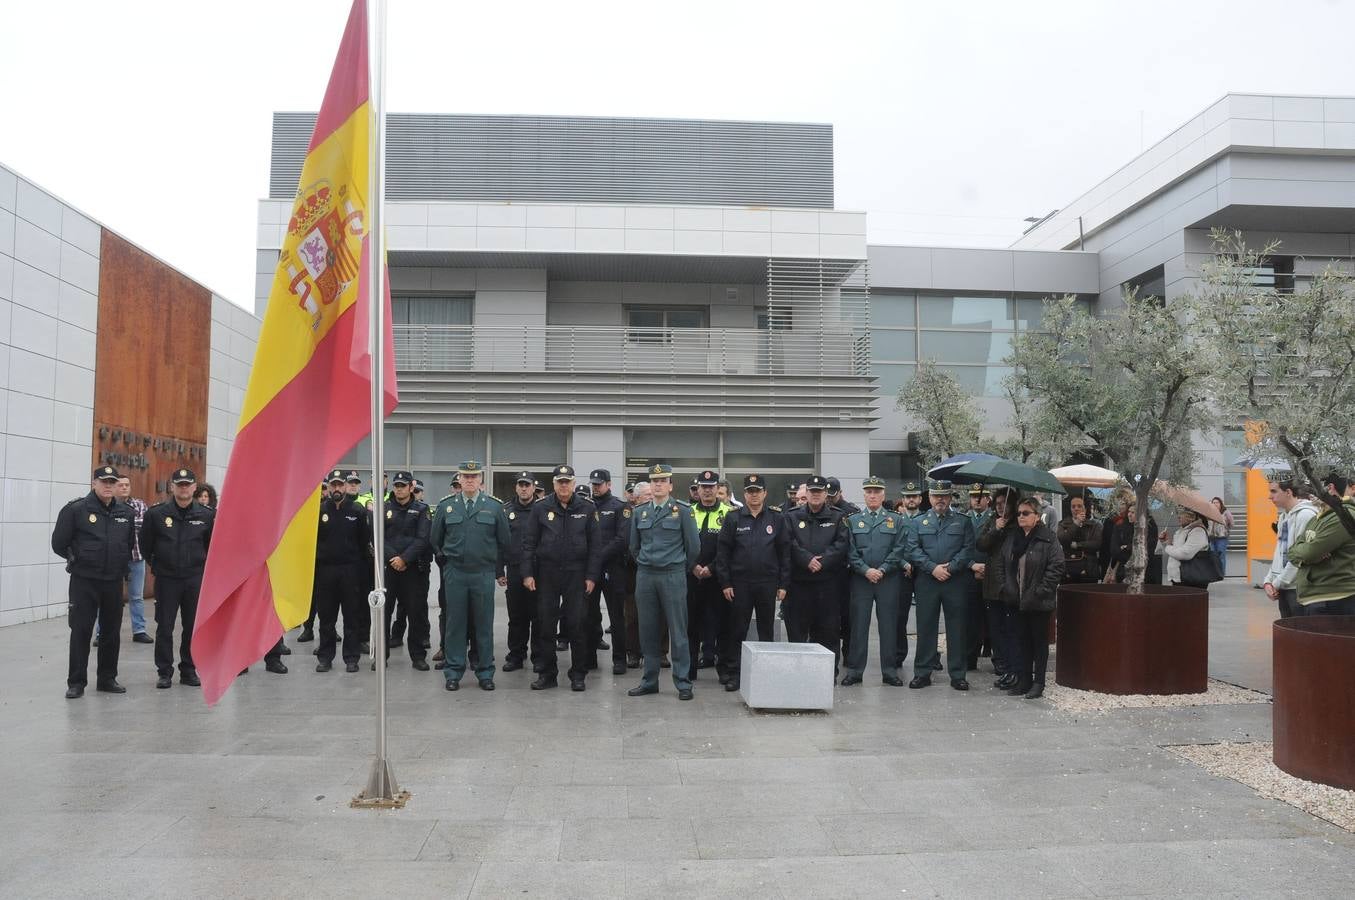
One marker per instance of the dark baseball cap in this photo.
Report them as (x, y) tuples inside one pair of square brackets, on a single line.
[(708, 478), (526, 478), (599, 476), (336, 475), (183, 476), (816, 483), (402, 478), (562, 473), (834, 486), (352, 477), (754, 483), (105, 473)]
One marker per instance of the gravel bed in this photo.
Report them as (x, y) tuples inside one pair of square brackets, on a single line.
[(1253, 764), (1217, 693)]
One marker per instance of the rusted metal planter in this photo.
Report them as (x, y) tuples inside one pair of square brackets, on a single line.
[(1314, 710), (1114, 642)]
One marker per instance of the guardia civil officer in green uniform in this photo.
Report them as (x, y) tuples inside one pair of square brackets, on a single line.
[(665, 546), (912, 511), (940, 546), (471, 532), (875, 557)]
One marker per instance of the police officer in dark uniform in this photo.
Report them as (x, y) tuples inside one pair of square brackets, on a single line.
[(707, 609), (524, 634), (175, 536), (407, 552), (836, 499), (94, 534), (560, 561), (342, 548), (613, 536), (912, 511), (752, 561), (818, 553), (874, 552), (940, 547)]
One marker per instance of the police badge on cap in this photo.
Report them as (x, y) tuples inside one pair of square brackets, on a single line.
[(708, 479), (754, 483), (562, 473), (661, 470), (874, 481)]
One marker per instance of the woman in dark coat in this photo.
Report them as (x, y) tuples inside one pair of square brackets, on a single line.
[(1001, 619), (1032, 567), (1122, 547)]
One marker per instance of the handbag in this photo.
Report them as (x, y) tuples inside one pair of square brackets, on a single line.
[(1201, 570)]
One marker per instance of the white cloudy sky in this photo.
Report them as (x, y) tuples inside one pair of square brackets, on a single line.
[(953, 121)]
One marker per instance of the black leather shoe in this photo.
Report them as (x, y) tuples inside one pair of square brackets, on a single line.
[(576, 685), (110, 687), (936, 666), (665, 663), (142, 637), (643, 690), (602, 645), (350, 667), (892, 680), (1036, 691), (286, 651), (724, 677), (959, 684), (618, 668), (420, 664), (306, 636), (486, 684), (277, 668), (849, 680), (685, 694), (453, 685), (163, 682), (632, 661), (75, 692), (543, 683), (190, 678), (732, 684), (1019, 689), (323, 667), (512, 665), (920, 681), (1005, 682)]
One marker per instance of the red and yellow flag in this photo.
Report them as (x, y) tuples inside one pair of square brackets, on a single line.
[(309, 393)]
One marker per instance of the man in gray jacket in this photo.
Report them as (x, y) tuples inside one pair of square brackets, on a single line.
[(1296, 511)]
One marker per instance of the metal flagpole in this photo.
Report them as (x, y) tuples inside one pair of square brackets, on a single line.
[(382, 790)]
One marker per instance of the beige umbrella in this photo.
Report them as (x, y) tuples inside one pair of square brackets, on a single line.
[(1085, 476), (1185, 497)]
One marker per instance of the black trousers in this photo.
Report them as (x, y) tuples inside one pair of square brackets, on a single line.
[(524, 634), (341, 588), (844, 611), (172, 597), (409, 590), (1032, 645), (707, 611), (611, 590), (93, 600), (560, 609), (749, 597), (998, 616), (814, 613), (976, 620), (905, 605)]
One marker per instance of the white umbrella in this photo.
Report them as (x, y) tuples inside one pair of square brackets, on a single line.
[(1185, 497), (1086, 476)]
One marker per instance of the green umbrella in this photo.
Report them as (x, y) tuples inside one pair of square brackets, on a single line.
[(1005, 471)]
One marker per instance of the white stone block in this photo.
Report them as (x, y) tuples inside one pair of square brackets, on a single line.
[(786, 676)]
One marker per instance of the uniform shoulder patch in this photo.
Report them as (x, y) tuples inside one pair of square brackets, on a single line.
[(495, 499), (625, 513)]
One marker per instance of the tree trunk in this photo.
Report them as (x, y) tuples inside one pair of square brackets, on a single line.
[(1137, 568)]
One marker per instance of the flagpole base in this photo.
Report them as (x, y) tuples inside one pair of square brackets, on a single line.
[(381, 792)]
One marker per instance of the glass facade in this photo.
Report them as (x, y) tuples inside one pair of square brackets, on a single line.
[(967, 335)]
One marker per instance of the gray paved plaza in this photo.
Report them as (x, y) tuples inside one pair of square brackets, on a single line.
[(556, 794)]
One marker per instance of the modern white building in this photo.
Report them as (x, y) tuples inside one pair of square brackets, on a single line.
[(615, 291)]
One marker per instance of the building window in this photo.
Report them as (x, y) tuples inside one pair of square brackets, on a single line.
[(776, 317), (655, 324), (1152, 283)]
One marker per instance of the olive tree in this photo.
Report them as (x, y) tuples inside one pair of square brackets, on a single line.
[(1283, 359), (1129, 384), (948, 418)]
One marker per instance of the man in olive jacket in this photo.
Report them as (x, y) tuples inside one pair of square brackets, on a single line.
[(1325, 555)]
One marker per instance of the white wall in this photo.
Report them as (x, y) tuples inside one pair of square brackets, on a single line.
[(49, 281), (235, 334)]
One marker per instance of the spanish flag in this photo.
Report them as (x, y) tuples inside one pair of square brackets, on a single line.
[(309, 396)]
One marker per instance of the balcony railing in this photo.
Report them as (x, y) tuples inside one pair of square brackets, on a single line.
[(579, 348)]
